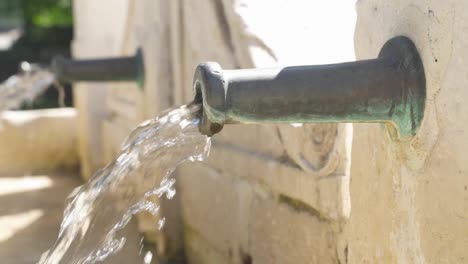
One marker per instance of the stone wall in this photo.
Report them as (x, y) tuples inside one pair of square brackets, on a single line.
[(98, 32), (284, 194), (38, 141), (410, 200)]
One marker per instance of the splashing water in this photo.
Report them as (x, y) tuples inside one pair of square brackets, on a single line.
[(25, 86), (98, 210)]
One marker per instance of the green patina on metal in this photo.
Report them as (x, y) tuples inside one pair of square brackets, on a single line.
[(389, 89), (121, 69)]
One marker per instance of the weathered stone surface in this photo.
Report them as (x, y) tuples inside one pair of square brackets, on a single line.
[(97, 33), (281, 233), (409, 199), (261, 139), (305, 168), (274, 173), (38, 140), (216, 206), (198, 251), (238, 219)]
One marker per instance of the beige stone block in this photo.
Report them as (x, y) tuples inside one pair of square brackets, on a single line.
[(38, 140), (216, 206), (334, 196), (241, 220), (277, 175), (98, 32), (281, 232), (262, 139), (199, 251), (409, 199)]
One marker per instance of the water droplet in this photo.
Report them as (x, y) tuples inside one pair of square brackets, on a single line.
[(161, 223), (148, 257), (297, 125)]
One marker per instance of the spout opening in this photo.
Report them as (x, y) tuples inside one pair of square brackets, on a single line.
[(209, 92)]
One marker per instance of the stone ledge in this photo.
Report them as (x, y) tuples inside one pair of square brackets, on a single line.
[(38, 140), (281, 176)]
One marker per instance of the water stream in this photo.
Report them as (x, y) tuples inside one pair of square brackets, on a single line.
[(26, 86), (98, 211)]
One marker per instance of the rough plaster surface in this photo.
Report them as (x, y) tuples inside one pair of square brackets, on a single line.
[(409, 203)]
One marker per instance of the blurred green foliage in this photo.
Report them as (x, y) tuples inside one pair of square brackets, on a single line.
[(38, 13), (47, 30), (47, 13)]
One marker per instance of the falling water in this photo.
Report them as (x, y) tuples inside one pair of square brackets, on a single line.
[(98, 211), (26, 86)]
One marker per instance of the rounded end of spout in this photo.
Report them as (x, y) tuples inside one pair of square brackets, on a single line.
[(209, 90), (409, 112), (140, 74)]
